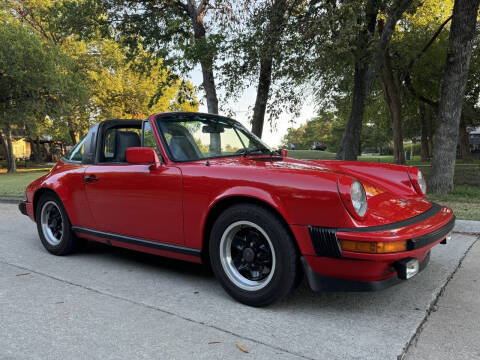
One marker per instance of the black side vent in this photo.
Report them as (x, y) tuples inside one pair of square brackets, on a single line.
[(325, 242)]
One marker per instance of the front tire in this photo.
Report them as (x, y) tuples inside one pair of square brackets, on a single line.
[(253, 255), (54, 226)]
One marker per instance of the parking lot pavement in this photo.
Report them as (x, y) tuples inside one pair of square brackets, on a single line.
[(111, 303)]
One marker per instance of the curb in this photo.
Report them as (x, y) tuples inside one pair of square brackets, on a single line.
[(467, 226), (11, 200)]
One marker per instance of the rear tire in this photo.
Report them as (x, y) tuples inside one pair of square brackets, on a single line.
[(54, 227), (253, 255)]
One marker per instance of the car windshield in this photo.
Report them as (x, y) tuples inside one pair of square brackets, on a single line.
[(195, 137)]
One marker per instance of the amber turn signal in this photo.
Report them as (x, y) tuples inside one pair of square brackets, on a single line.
[(373, 247)]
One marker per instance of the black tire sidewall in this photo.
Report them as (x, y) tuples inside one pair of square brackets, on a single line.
[(285, 274), (68, 243)]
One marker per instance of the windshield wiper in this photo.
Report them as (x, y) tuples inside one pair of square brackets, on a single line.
[(247, 152), (277, 152)]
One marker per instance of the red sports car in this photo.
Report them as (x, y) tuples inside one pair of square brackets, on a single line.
[(202, 188)]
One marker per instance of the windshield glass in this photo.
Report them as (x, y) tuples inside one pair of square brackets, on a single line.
[(194, 137)]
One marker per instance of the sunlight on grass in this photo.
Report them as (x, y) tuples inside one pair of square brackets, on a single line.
[(465, 202), (311, 155), (13, 185)]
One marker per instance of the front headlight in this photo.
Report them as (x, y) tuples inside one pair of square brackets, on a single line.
[(421, 182), (359, 199)]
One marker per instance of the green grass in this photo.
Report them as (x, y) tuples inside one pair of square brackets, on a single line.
[(465, 202), (22, 164), (13, 185), (311, 155)]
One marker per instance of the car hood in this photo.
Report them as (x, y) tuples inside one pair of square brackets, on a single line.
[(390, 192)]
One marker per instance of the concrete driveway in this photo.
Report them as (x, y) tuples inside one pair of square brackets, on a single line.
[(107, 303)]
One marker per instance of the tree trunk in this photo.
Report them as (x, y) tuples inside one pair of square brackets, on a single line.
[(209, 85), (8, 149), (392, 98), (264, 82), (367, 67), (71, 132), (451, 100), (34, 145), (464, 141), (349, 147), (269, 48), (432, 125), (424, 150), (207, 60), (3, 142)]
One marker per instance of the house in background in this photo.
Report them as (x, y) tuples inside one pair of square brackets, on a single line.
[(474, 139), (21, 146), (21, 149), (46, 149)]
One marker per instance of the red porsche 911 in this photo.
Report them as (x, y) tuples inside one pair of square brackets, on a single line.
[(202, 188)]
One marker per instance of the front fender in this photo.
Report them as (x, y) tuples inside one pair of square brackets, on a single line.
[(254, 193)]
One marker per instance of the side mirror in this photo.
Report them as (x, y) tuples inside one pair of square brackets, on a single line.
[(142, 155)]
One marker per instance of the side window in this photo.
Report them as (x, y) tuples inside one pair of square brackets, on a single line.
[(76, 154), (116, 140), (148, 136), (109, 145)]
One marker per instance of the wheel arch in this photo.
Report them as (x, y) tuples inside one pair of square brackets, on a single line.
[(222, 204), (38, 194)]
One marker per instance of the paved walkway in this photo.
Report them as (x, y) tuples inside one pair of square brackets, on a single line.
[(452, 330)]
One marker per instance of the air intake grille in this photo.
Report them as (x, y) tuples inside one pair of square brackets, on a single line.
[(325, 242)]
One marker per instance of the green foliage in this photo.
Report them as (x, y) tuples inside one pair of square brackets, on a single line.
[(34, 79), (332, 30), (324, 128), (95, 78), (121, 90), (328, 128), (164, 29)]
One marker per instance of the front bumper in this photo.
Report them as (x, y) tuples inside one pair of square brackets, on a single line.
[(328, 267), (26, 208), (318, 282), (22, 206)]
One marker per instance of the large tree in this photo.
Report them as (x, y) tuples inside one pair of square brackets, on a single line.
[(462, 33), (112, 85), (33, 81), (270, 47), (417, 52), (368, 61), (175, 31)]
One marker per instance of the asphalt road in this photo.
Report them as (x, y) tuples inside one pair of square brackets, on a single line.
[(107, 303)]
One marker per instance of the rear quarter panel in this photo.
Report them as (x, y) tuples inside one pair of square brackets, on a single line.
[(66, 180)]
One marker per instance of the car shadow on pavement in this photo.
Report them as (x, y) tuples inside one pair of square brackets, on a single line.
[(155, 262), (301, 300)]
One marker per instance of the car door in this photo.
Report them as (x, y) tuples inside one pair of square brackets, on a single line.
[(134, 200)]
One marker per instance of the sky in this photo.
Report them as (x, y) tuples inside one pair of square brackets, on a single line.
[(271, 135)]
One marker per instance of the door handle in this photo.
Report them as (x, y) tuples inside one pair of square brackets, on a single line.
[(90, 178)]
